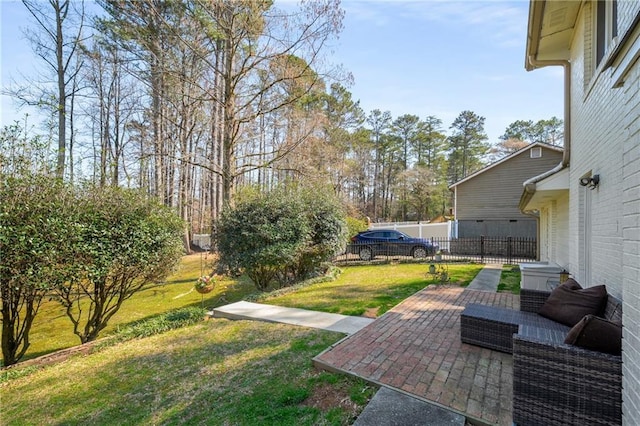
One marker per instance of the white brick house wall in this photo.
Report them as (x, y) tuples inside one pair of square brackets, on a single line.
[(596, 233), (631, 249), (606, 141)]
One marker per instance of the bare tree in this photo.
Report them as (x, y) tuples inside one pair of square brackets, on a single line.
[(268, 61), (56, 40)]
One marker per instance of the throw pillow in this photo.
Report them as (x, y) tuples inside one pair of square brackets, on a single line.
[(572, 284), (598, 334), (568, 303)]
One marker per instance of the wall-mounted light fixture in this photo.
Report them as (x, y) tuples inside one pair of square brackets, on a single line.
[(590, 182)]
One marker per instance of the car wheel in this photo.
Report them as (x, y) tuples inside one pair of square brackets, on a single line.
[(419, 252), (365, 253)]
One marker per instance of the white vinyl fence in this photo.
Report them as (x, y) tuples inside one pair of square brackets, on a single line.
[(428, 231)]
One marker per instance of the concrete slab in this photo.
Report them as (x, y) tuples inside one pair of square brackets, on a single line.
[(389, 407), (322, 320), (488, 278)]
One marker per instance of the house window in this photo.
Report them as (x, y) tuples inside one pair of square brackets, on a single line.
[(535, 152), (606, 27)]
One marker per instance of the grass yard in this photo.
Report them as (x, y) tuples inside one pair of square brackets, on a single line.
[(216, 372), (370, 290), (52, 330), (510, 279)]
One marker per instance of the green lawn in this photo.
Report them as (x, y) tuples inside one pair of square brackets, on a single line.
[(213, 373), (217, 371), (52, 330), (367, 290), (510, 279), (370, 290)]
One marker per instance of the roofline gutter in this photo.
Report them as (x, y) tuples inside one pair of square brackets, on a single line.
[(530, 184), (534, 30)]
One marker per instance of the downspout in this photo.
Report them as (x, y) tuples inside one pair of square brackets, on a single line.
[(530, 184)]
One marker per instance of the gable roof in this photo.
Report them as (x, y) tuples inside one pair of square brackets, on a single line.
[(507, 158)]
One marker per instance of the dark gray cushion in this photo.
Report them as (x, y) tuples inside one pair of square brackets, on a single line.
[(569, 303), (597, 334)]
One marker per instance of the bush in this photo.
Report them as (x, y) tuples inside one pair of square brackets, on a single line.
[(125, 241), (283, 235), (36, 244), (161, 323), (327, 238), (262, 235), (355, 225), (89, 248)]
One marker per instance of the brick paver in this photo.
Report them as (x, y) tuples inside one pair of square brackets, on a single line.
[(415, 347)]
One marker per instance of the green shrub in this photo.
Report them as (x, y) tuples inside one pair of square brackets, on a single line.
[(37, 241), (161, 323), (283, 235), (124, 242), (89, 248), (355, 225), (261, 235), (328, 234)]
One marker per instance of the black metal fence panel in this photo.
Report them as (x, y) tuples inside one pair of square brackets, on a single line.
[(482, 250)]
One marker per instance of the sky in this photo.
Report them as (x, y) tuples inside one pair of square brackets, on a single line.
[(421, 57)]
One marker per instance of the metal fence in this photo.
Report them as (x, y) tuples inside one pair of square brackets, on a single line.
[(506, 250)]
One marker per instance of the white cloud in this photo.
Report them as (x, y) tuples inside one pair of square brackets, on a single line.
[(501, 21)]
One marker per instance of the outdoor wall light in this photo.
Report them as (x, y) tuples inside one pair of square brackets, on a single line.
[(590, 182)]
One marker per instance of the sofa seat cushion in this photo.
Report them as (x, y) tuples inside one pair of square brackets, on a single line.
[(596, 334), (569, 303), (493, 327)]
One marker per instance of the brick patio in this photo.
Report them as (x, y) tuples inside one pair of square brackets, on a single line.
[(416, 348)]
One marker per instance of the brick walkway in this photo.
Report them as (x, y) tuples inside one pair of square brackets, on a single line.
[(415, 347)]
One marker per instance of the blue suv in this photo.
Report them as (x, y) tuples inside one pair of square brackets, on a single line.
[(389, 242)]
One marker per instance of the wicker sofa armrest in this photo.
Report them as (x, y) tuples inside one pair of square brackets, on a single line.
[(532, 300), (560, 384)]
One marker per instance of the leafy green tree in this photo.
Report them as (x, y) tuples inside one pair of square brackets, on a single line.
[(391, 167), (261, 235), (551, 131), (125, 241), (406, 128), (430, 142), (467, 145), (36, 242), (343, 117), (548, 131), (521, 130), (379, 122), (423, 193)]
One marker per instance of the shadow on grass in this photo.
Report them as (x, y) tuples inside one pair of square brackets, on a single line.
[(238, 372)]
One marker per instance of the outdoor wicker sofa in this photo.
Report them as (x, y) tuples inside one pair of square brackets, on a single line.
[(554, 383)]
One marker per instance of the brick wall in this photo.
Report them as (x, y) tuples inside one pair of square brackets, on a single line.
[(631, 247), (606, 141)]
